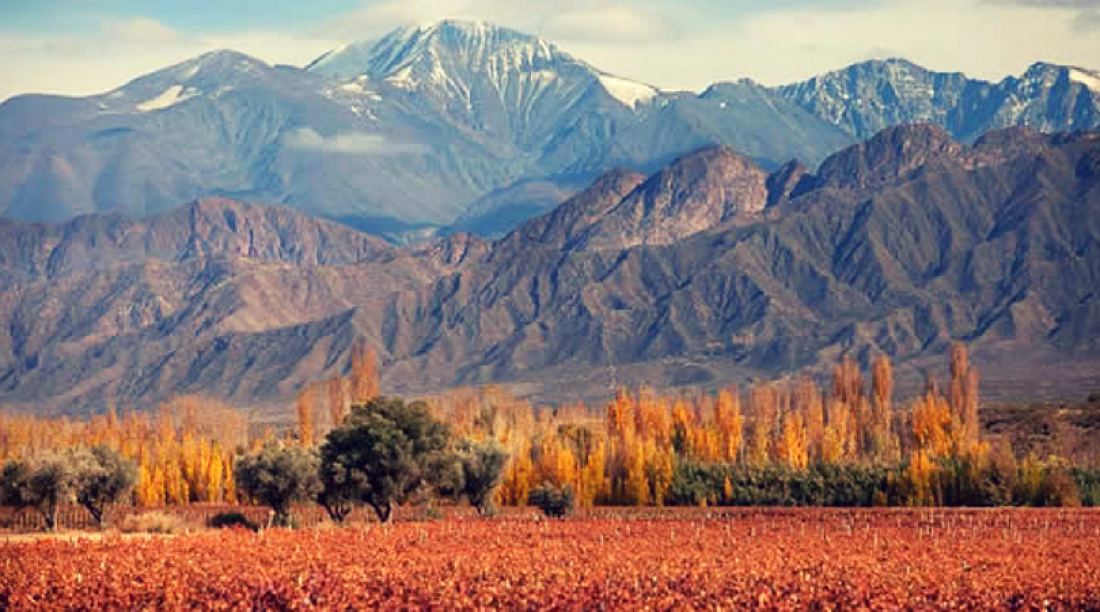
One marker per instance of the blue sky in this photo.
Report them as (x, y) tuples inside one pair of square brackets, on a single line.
[(80, 47)]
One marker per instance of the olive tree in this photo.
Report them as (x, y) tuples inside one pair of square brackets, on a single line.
[(43, 483), (480, 469), (279, 475), (103, 476), (384, 452)]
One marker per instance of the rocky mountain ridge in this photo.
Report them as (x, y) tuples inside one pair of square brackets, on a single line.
[(722, 272), (871, 96)]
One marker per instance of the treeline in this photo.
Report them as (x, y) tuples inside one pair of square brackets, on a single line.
[(385, 453), (774, 443), (184, 451), (771, 443)]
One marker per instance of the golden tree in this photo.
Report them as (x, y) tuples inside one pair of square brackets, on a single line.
[(793, 447), (964, 394), (364, 373), (336, 393), (763, 408), (883, 441), (809, 401), (731, 423), (307, 402)]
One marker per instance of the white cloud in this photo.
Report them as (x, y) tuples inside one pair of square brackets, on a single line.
[(984, 40), (349, 143), (615, 23), (125, 49), (141, 31), (561, 21)]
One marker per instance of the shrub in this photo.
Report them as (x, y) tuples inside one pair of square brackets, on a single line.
[(1088, 486), (432, 512), (154, 522), (554, 501), (1059, 488), (226, 520)]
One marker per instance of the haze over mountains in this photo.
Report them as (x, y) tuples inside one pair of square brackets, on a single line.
[(708, 271), (459, 125)]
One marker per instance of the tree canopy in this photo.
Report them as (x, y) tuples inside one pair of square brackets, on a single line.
[(383, 453), (43, 483), (279, 475)]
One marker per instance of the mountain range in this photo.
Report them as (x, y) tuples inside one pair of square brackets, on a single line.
[(708, 270), (459, 127)]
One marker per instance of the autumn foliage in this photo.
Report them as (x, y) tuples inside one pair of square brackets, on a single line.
[(769, 442)]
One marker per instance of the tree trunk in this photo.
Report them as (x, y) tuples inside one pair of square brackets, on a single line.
[(97, 514), (278, 517), (384, 512), (51, 518), (337, 511)]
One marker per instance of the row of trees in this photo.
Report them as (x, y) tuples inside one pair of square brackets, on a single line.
[(94, 478), (629, 454), (642, 448), (186, 450), (384, 453), (647, 449)]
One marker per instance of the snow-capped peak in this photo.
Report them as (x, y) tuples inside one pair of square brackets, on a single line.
[(451, 57), (473, 44)]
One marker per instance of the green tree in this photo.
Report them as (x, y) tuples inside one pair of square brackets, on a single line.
[(279, 475), (42, 483), (339, 489), (384, 452), (480, 471), (103, 476)]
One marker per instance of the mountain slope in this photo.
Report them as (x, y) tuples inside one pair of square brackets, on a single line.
[(410, 131), (898, 246), (226, 124), (965, 246), (111, 309), (210, 226)]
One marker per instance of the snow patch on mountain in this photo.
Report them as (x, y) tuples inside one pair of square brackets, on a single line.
[(168, 98), (402, 78), (1085, 77), (629, 93)]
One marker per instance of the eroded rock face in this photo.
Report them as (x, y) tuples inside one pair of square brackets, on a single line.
[(893, 154), (695, 193), (205, 228)]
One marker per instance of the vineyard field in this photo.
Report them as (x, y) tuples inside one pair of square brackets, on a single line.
[(698, 558)]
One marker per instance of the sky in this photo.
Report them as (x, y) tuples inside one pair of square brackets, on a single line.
[(84, 47)]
